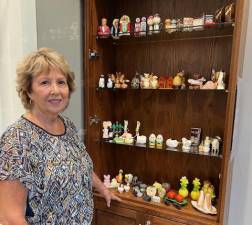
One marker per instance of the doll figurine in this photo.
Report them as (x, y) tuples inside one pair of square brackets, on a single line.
[(143, 26), (105, 130), (124, 25), (103, 30), (137, 27), (115, 29), (157, 23), (150, 24)]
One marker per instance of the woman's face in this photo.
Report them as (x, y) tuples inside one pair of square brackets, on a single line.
[(49, 93)]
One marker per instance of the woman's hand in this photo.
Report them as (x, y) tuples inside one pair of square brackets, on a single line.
[(110, 196), (100, 187)]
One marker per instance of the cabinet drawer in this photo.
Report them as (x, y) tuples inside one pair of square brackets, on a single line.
[(153, 220), (106, 218)]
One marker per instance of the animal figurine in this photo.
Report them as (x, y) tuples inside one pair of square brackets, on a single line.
[(135, 181), (171, 143), (145, 81), (215, 145), (168, 25), (153, 81), (106, 181), (128, 178), (120, 188), (101, 81), (119, 177), (186, 144), (126, 187), (109, 82), (123, 82)]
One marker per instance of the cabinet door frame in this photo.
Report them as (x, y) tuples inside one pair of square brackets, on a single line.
[(224, 189)]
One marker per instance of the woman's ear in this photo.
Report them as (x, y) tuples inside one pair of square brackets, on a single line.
[(29, 95)]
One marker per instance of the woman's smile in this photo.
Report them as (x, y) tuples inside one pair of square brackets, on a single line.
[(50, 93)]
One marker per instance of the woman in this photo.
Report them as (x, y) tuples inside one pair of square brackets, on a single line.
[(42, 160)]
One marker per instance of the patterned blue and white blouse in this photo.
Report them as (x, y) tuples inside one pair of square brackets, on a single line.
[(56, 170)]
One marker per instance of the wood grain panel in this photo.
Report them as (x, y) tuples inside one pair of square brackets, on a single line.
[(167, 9), (168, 58), (104, 218), (173, 113), (160, 221)]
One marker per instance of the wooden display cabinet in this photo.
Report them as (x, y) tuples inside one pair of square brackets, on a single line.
[(168, 112)]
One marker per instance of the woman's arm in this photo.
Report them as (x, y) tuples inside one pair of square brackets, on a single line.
[(100, 187), (12, 203)]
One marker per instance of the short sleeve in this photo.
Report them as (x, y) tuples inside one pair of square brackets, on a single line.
[(14, 163)]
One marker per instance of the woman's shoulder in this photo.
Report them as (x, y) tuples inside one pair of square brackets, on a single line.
[(71, 130), (19, 128), (15, 139), (68, 122)]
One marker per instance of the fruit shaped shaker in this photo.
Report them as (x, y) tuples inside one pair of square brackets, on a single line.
[(183, 190), (195, 193)]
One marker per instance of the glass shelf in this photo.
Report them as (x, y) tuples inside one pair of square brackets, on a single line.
[(216, 30), (160, 90), (194, 149)]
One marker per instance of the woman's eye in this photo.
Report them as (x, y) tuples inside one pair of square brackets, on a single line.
[(62, 82), (44, 82)]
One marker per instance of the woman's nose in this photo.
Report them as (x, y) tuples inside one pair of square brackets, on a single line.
[(54, 88)]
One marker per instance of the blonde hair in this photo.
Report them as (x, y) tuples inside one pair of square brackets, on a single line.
[(37, 62)]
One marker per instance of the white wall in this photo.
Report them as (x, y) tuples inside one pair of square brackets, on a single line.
[(240, 212), (18, 36), (59, 27)]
